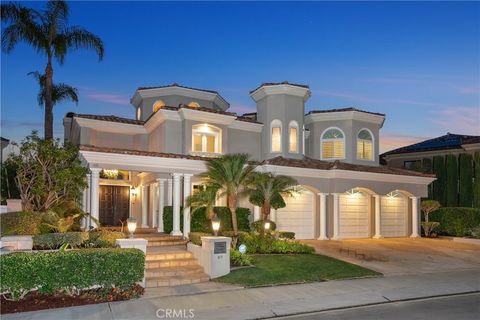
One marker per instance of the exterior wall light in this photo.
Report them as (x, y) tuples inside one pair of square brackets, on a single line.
[(215, 224), (133, 191), (132, 226)]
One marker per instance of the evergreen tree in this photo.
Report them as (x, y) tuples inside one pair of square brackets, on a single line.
[(439, 184), (452, 181), (476, 185), (465, 186)]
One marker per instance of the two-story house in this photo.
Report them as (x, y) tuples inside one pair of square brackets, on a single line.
[(140, 165)]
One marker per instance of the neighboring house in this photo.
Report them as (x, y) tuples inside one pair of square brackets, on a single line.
[(431, 156), (140, 165), (4, 142)]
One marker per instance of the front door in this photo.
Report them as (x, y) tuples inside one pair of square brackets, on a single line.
[(114, 205)]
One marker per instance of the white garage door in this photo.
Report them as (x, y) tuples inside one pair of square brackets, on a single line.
[(297, 216), (354, 213), (392, 218)]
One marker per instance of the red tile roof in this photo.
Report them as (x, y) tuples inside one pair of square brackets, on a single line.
[(110, 118), (179, 86), (265, 84), (344, 110), (139, 153)]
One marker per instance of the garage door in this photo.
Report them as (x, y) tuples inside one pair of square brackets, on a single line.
[(392, 218), (354, 213), (297, 216)]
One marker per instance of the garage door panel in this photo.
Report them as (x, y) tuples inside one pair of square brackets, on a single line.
[(297, 216), (392, 217), (354, 216)]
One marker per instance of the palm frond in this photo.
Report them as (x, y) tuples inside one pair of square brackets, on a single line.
[(79, 38), (63, 92)]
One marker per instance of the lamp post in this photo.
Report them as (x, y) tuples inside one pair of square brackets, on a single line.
[(267, 225), (131, 225), (215, 224)]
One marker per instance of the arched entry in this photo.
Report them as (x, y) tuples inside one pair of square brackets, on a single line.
[(298, 215), (354, 211), (393, 218)]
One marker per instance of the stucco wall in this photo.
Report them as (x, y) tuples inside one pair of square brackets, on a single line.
[(245, 142)]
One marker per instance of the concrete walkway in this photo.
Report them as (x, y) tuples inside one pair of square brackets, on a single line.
[(276, 301)]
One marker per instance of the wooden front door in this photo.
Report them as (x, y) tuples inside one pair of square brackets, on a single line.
[(114, 205)]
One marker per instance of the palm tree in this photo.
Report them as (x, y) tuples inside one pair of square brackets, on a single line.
[(267, 190), (205, 198), (48, 33), (60, 91), (229, 174)]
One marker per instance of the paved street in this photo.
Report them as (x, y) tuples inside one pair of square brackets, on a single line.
[(460, 307)]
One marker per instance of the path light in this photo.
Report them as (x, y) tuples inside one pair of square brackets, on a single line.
[(131, 225), (215, 224), (267, 225)]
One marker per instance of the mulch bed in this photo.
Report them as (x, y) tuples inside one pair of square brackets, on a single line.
[(34, 301)]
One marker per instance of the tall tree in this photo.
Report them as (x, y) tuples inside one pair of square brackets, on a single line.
[(427, 168), (465, 185), (439, 185), (49, 34), (476, 184), (229, 174), (205, 198), (452, 181), (60, 91)]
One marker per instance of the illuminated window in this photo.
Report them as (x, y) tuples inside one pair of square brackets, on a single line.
[(206, 139), (159, 104), (276, 136), (365, 145), (293, 137), (139, 113), (194, 104), (333, 144)]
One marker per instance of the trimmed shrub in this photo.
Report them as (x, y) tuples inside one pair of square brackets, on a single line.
[(285, 234), (104, 239), (20, 223), (201, 223), (465, 185), (439, 185), (259, 226), (168, 219), (452, 181), (239, 259), (54, 241), (257, 243), (70, 270), (196, 237), (476, 184), (456, 222)]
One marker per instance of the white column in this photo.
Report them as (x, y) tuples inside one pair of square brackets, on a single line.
[(378, 200), (256, 213), (323, 216), (176, 205), (169, 191), (144, 206), (161, 203), (94, 194), (336, 216), (187, 187), (415, 218), (153, 186)]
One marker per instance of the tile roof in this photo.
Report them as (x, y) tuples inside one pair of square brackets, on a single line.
[(110, 118), (344, 110), (179, 86), (445, 142), (265, 84), (139, 153), (326, 165)]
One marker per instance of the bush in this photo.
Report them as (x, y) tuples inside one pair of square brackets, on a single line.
[(429, 228), (458, 222), (104, 239), (196, 237), (201, 223), (168, 219), (20, 223), (239, 259), (70, 270), (258, 243), (259, 226), (54, 241), (285, 235)]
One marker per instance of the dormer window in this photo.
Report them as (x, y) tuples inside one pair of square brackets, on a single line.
[(139, 113), (276, 136), (365, 145), (293, 137), (159, 104), (194, 104), (206, 139), (332, 144)]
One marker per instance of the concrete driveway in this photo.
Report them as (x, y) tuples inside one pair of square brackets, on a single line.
[(397, 256)]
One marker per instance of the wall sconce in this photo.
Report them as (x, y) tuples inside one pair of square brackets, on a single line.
[(133, 191), (215, 224), (132, 226)]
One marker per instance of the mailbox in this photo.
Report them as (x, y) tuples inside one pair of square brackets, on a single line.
[(217, 255)]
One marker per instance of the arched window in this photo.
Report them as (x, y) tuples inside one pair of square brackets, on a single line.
[(293, 137), (139, 113), (159, 104), (206, 138), (332, 144), (194, 104), (365, 145), (276, 136)]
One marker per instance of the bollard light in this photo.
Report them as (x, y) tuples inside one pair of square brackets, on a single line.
[(215, 224), (131, 225)]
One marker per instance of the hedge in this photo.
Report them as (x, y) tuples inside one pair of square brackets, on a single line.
[(476, 185), (201, 223), (20, 223), (104, 239), (168, 219), (456, 222), (54, 241), (465, 185), (259, 226), (439, 184), (265, 244), (70, 270), (427, 168), (452, 181)]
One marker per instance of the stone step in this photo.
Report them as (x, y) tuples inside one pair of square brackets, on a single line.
[(152, 264), (169, 281), (161, 243), (168, 255), (158, 237), (173, 271)]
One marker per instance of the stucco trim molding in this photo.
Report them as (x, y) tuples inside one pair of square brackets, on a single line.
[(263, 91), (159, 117), (246, 126), (109, 126), (345, 115), (196, 115)]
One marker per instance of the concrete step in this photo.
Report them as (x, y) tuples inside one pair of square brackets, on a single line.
[(161, 243), (169, 281), (180, 262), (168, 255), (173, 271)]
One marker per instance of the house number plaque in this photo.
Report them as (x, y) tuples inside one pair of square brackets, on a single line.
[(220, 247)]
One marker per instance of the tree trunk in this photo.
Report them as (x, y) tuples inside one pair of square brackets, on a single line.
[(48, 100), (232, 205), (267, 208)]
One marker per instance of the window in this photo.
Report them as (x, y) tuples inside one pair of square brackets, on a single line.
[(276, 136), (139, 113), (159, 104), (293, 137), (365, 145), (332, 144), (194, 104), (206, 139), (413, 165)]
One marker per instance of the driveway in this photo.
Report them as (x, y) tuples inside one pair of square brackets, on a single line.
[(397, 256)]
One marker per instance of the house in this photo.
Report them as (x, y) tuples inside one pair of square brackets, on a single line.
[(139, 166)]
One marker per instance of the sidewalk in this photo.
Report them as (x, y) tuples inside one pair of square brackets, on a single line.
[(276, 301)]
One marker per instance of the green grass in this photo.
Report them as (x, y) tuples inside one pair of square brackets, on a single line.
[(278, 269)]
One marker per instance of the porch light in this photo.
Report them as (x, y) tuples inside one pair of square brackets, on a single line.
[(392, 194), (133, 191), (215, 224), (353, 193), (267, 225), (131, 225)]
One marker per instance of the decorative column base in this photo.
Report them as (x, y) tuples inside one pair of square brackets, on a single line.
[(377, 236), (323, 238)]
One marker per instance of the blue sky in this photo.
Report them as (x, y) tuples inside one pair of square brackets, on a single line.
[(418, 62)]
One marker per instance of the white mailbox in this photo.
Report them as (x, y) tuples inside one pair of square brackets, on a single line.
[(217, 257)]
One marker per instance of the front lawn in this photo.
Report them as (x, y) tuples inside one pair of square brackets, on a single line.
[(278, 269)]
